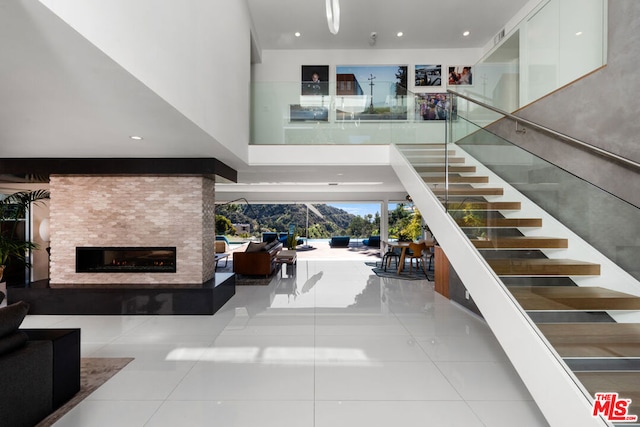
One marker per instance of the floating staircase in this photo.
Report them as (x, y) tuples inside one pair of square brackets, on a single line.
[(576, 320)]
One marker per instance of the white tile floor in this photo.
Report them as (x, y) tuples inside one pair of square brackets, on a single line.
[(343, 348)]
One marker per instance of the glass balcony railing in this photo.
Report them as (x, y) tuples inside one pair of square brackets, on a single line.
[(390, 114)]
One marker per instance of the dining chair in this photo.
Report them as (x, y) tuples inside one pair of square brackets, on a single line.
[(416, 253), (391, 254), (430, 257)]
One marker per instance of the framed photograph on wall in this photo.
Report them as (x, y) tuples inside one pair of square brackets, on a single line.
[(308, 113), (371, 92), (461, 75), (315, 80), (435, 106), (428, 75)]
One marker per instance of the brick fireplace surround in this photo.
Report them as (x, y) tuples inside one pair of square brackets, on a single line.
[(141, 211), (129, 203)]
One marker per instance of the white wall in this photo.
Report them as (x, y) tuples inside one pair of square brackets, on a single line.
[(193, 53)]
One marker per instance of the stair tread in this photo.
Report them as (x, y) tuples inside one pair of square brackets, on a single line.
[(543, 267), (457, 179), (442, 169), (501, 222), (470, 191), (626, 384), (521, 242), (593, 339), (429, 160), (484, 206), (573, 298), (427, 152), (425, 146)]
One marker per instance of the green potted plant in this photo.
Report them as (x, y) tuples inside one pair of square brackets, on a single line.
[(403, 236), (12, 208), (292, 241)]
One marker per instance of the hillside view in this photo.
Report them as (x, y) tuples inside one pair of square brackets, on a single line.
[(403, 221)]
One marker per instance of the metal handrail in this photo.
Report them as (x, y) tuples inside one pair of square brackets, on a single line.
[(587, 146)]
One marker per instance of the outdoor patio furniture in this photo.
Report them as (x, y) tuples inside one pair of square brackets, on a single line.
[(270, 236), (339, 241), (373, 241), (219, 257)]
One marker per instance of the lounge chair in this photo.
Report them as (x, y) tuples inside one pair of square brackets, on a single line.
[(373, 241), (270, 236), (339, 241)]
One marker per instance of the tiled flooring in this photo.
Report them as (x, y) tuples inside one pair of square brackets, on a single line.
[(334, 346)]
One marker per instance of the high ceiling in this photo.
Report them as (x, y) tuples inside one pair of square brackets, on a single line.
[(426, 24), (71, 93)]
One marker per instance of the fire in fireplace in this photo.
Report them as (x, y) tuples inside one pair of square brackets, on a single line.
[(125, 260)]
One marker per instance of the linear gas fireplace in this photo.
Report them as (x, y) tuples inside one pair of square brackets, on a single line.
[(126, 260)]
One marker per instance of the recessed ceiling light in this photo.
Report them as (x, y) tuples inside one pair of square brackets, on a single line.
[(466, 33), (297, 34), (579, 33), (400, 34), (137, 138)]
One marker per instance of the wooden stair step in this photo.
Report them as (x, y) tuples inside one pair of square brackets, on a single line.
[(484, 206), (626, 384), (440, 160), (501, 222), (456, 179), (543, 267), (521, 242), (560, 298), (470, 191), (593, 339), (442, 169), (427, 152), (403, 147)]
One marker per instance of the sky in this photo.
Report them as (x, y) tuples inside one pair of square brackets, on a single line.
[(384, 73), (385, 76), (361, 209)]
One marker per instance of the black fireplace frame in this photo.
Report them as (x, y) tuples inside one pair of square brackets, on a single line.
[(92, 260)]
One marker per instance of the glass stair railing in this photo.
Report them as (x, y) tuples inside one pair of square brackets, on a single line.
[(563, 248)]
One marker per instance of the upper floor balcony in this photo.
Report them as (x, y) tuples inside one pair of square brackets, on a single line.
[(285, 113)]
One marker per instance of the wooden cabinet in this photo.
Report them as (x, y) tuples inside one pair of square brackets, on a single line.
[(441, 272)]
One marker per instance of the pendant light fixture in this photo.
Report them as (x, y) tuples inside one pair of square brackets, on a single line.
[(333, 15)]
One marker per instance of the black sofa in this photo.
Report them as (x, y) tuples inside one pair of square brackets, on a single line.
[(39, 368)]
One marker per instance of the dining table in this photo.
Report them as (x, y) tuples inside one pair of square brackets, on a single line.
[(404, 246)]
